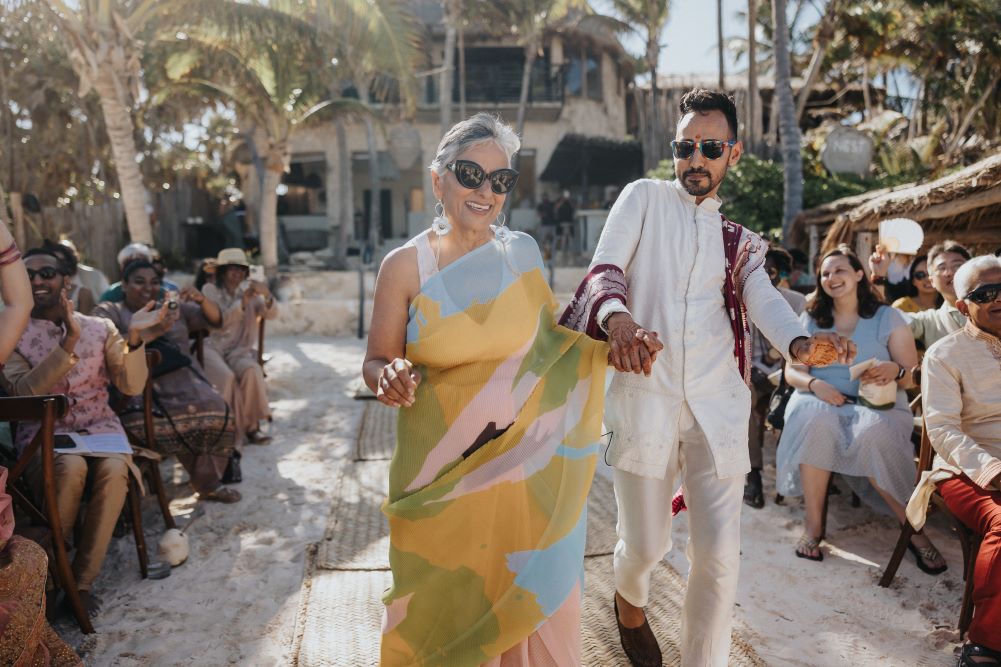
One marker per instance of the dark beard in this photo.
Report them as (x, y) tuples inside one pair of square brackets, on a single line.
[(700, 190)]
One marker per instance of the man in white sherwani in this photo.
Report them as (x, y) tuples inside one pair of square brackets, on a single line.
[(686, 416)]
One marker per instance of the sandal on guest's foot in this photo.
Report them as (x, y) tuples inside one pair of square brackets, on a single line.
[(971, 653), (754, 496), (221, 495), (925, 555), (258, 438), (806, 544)]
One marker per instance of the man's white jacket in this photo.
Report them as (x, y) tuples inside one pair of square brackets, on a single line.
[(672, 254)]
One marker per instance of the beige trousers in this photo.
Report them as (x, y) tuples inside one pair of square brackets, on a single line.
[(109, 486), (644, 530), (240, 380)]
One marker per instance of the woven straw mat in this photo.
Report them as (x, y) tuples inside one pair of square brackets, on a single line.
[(340, 610)]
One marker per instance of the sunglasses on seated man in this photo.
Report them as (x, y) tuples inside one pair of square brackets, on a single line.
[(45, 273), (471, 175), (984, 294), (711, 149)]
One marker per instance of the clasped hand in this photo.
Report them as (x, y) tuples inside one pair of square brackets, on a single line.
[(633, 349), (398, 384)]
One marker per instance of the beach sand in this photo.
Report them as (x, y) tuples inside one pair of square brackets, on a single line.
[(234, 602)]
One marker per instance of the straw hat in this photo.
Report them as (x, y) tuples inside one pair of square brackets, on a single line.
[(232, 257)]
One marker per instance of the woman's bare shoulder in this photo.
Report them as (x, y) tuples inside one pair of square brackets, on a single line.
[(399, 272)]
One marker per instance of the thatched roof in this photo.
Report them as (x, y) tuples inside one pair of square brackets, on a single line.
[(965, 206)]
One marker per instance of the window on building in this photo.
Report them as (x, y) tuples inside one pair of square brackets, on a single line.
[(592, 66), (493, 75), (583, 75), (305, 188)]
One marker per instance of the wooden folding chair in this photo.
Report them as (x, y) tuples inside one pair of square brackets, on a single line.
[(145, 456), (968, 539), (198, 337), (261, 360), (45, 409)]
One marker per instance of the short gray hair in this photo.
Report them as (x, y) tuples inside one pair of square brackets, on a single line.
[(963, 281), (466, 134)]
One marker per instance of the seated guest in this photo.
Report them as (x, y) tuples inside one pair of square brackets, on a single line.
[(25, 635), (90, 277), (765, 360), (928, 326), (132, 252), (81, 297), (922, 294), (64, 352), (961, 394), (230, 354), (828, 430), (192, 421)]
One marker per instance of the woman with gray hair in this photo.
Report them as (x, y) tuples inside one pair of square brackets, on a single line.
[(499, 427)]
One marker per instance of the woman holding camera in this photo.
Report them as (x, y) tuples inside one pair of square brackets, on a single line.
[(191, 420), (230, 352)]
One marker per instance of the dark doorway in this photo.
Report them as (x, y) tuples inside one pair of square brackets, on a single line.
[(385, 213)]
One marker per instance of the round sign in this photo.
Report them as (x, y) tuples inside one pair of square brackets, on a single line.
[(847, 151)]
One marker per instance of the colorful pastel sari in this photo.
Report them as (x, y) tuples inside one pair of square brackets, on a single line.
[(493, 463)]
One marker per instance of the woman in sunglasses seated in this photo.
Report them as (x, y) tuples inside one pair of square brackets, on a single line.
[(191, 420), (923, 295), (829, 428), (498, 432)]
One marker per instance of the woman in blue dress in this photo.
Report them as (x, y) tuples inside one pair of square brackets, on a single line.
[(827, 430)]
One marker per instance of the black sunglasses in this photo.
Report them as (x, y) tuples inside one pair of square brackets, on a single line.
[(471, 175), (711, 149), (45, 273), (920, 275), (984, 294)]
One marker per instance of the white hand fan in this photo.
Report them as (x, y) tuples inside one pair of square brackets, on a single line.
[(901, 235)]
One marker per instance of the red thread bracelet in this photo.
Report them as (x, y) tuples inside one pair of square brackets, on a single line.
[(10, 260)]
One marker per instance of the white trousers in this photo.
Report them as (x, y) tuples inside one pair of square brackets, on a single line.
[(644, 530)]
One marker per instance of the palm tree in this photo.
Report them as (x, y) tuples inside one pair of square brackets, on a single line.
[(821, 39), (648, 18), (453, 15), (528, 21), (101, 39), (376, 45), (719, 43), (789, 135), (754, 120), (277, 83)]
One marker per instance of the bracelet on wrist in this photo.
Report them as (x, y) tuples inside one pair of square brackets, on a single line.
[(12, 248), (879, 280), (903, 371), (10, 260), (809, 385)]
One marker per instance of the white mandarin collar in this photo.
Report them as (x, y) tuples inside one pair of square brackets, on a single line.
[(708, 205)]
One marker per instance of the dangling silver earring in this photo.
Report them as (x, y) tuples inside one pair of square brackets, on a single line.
[(440, 225), (501, 232)]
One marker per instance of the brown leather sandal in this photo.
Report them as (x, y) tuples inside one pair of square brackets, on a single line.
[(221, 495)]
